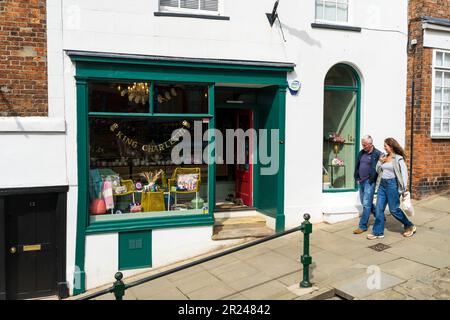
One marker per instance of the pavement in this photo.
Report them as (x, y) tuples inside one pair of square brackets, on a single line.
[(344, 266)]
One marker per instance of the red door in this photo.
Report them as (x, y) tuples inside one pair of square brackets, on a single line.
[(244, 172)]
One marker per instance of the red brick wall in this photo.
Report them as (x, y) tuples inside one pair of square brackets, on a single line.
[(431, 157), (23, 58)]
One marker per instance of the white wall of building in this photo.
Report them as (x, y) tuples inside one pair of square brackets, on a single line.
[(378, 53)]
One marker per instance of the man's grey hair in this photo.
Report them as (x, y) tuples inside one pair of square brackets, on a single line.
[(368, 138)]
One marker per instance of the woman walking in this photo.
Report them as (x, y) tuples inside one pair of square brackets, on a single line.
[(391, 185)]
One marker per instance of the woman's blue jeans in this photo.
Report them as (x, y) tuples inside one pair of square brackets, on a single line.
[(388, 195)]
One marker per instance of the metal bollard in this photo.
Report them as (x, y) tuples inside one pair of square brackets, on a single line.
[(306, 228), (118, 287)]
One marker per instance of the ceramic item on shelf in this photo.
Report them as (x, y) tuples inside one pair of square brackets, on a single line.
[(197, 203)]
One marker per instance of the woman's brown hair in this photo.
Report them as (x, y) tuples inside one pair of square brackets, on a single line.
[(396, 147)]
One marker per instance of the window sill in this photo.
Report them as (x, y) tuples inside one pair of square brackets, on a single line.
[(338, 190), (440, 137), (189, 15), (150, 223), (335, 27)]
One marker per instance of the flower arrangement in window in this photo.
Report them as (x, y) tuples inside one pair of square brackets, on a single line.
[(336, 138), (338, 142), (337, 162)]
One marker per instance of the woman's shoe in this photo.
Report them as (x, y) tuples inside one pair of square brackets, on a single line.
[(373, 237), (409, 231)]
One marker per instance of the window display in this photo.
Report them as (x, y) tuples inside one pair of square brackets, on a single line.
[(132, 174), (340, 129)]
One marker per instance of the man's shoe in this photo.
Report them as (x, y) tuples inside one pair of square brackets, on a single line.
[(409, 231), (373, 237), (358, 231)]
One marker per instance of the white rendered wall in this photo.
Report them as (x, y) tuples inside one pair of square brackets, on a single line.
[(378, 53), (168, 246)]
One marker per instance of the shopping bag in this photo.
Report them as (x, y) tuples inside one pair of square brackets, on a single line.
[(406, 205)]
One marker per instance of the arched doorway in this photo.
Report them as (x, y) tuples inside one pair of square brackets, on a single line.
[(342, 98)]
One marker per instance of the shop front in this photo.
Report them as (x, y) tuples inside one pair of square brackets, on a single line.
[(150, 150)]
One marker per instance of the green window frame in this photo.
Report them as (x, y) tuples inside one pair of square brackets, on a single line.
[(356, 89), (149, 222)]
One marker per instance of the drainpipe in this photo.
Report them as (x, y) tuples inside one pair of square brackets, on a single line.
[(412, 49)]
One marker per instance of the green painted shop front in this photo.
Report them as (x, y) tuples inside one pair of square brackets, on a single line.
[(269, 113)]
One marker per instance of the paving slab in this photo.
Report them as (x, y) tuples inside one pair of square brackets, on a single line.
[(370, 257), (424, 215), (422, 254), (430, 238), (234, 272), (212, 264), (269, 290), (406, 269), (211, 292), (196, 281), (251, 252), (389, 294), (249, 282), (149, 289), (237, 296), (437, 203), (183, 274), (417, 290), (327, 262), (274, 264), (362, 286)]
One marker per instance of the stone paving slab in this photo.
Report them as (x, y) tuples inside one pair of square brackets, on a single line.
[(439, 203), (389, 294), (406, 269), (422, 254), (196, 281), (249, 282), (362, 286), (212, 292), (269, 290), (274, 264), (416, 290)]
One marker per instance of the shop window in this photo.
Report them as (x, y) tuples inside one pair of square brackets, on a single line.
[(133, 174), (340, 125), (332, 11), (440, 124), (180, 98), (124, 97)]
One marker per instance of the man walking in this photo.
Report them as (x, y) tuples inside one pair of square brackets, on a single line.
[(366, 176)]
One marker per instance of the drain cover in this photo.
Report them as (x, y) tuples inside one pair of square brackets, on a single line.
[(379, 247)]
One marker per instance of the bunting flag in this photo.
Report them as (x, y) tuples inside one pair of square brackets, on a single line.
[(153, 147)]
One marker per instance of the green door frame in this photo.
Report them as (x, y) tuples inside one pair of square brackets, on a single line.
[(108, 68)]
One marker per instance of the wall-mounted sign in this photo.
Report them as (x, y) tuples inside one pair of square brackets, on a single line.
[(294, 86)]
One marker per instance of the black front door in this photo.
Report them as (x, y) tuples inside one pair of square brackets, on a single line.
[(31, 250)]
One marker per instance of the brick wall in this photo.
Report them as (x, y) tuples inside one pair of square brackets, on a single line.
[(431, 157), (23, 53)]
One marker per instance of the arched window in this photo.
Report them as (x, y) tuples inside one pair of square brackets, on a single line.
[(340, 128)]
